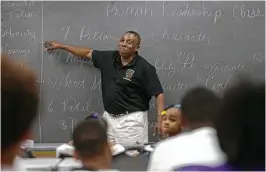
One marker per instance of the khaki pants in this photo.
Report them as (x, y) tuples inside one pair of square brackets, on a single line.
[(128, 129)]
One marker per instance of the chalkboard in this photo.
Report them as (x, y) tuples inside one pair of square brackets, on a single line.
[(189, 43)]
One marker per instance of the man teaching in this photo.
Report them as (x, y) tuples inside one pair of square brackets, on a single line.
[(128, 83)]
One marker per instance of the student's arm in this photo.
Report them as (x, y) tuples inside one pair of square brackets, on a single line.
[(78, 51)]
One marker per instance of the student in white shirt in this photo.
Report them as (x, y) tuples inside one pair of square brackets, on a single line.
[(198, 146), (19, 107)]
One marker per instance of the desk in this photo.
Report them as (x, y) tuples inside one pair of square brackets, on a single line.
[(44, 149), (122, 162)]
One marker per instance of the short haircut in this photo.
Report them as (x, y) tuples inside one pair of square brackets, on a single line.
[(200, 105), (135, 34), (100, 118), (90, 138), (241, 125), (20, 99)]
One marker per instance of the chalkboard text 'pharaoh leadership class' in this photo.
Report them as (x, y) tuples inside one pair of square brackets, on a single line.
[(242, 11), (167, 9)]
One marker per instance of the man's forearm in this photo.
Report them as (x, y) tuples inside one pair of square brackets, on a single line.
[(159, 104), (78, 51)]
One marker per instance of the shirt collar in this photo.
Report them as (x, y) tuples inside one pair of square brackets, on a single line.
[(132, 63)]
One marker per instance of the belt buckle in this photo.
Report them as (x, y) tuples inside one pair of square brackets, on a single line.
[(120, 114)]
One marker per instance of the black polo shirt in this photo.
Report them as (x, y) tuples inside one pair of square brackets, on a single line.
[(126, 88)]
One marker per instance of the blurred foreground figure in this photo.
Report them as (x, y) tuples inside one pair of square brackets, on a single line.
[(241, 126), (19, 106)]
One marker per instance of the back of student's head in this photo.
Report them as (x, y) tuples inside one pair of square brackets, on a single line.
[(19, 102), (241, 125), (90, 139), (100, 119), (199, 105)]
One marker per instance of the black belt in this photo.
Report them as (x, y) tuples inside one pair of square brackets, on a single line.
[(121, 114)]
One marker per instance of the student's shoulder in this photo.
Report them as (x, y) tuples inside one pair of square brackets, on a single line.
[(175, 141)]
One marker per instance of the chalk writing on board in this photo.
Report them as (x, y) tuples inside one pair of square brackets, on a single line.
[(186, 59), (73, 105), (66, 29), (87, 34), (63, 124), (69, 123), (258, 58), (163, 65), (166, 34), (71, 58), (50, 107), (241, 11), (12, 4), (128, 10), (14, 51), (218, 67), (66, 82), (25, 33), (211, 82), (55, 55), (73, 123), (97, 84), (178, 86), (190, 11), (22, 14)]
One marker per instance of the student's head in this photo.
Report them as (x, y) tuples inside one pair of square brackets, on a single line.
[(100, 119), (171, 124), (199, 108), (90, 142), (129, 43), (19, 106), (241, 125)]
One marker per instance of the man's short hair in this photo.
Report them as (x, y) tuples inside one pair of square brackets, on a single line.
[(20, 99), (241, 125), (90, 138), (200, 105), (135, 34)]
